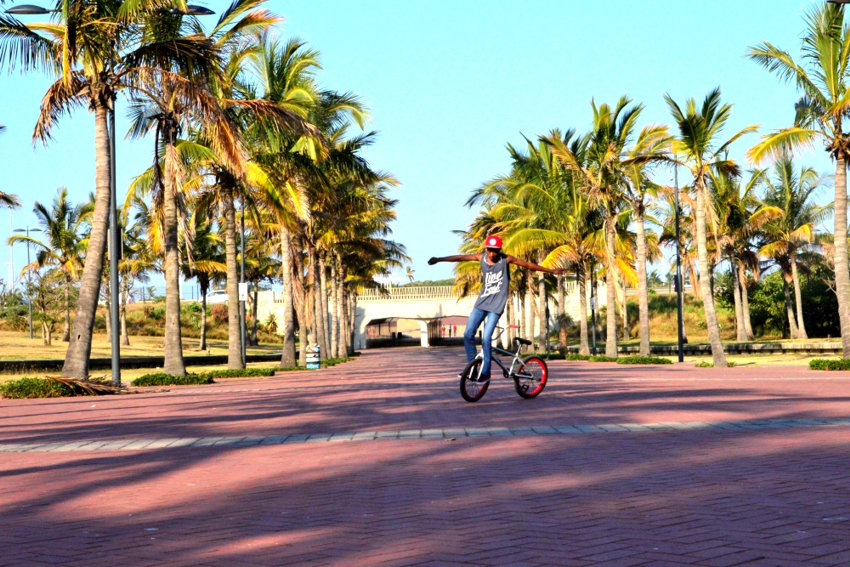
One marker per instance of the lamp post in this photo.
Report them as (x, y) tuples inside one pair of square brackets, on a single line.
[(242, 287), (28, 230), (679, 315)]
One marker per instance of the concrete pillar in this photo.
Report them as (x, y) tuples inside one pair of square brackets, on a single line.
[(423, 334)]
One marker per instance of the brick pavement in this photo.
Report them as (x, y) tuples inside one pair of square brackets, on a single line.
[(380, 462)]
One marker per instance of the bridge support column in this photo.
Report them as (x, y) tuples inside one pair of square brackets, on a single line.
[(423, 334)]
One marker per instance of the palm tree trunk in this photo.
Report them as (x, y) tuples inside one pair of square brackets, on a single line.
[(643, 286), (714, 340), (623, 305), (173, 341), (255, 326), (842, 276), (203, 341), (611, 289), (541, 309), (529, 305), (77, 356), (324, 302), (582, 277), (107, 304), (562, 314), (125, 337), (300, 301), (789, 307), (745, 301), (287, 356), (740, 330), (66, 331), (316, 293), (234, 342), (798, 295)]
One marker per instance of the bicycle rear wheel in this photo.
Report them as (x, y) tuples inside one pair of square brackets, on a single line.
[(531, 377), (470, 388)]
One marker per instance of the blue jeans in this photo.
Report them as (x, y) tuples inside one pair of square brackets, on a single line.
[(472, 324)]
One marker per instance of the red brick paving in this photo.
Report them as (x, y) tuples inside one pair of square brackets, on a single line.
[(704, 496)]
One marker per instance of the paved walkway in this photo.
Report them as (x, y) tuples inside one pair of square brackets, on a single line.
[(380, 462)]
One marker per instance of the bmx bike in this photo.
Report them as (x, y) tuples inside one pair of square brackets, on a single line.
[(529, 374)]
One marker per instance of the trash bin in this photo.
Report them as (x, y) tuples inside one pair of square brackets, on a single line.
[(313, 357)]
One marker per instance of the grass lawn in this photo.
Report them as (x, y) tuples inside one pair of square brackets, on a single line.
[(18, 346)]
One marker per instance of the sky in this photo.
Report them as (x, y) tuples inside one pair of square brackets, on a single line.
[(449, 84)]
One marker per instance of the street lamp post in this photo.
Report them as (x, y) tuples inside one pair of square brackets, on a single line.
[(680, 321), (242, 330), (28, 230)]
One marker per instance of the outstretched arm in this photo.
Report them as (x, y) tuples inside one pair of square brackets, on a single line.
[(533, 266), (455, 258)]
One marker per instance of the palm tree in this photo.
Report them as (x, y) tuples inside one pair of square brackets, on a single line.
[(649, 149), (736, 218), (603, 179), (204, 259), (236, 178), (64, 247), (704, 154), (6, 199), (93, 50), (285, 76), (791, 193), (821, 76)]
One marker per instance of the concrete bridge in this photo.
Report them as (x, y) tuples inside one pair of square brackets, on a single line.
[(426, 304)]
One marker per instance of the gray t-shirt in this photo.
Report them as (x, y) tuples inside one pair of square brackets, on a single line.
[(494, 285)]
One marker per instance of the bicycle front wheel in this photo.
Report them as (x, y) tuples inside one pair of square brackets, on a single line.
[(531, 377), (470, 388)]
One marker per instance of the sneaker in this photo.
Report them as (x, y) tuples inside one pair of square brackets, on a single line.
[(483, 379)]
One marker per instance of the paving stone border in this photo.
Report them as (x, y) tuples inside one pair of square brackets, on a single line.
[(439, 433)]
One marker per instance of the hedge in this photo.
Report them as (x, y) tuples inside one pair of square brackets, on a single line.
[(830, 364), (35, 388), (643, 360)]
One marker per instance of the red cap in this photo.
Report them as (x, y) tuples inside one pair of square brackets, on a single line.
[(493, 242)]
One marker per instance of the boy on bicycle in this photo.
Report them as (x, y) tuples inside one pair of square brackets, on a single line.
[(493, 297)]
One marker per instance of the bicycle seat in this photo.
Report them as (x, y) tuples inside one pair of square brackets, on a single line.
[(522, 341)]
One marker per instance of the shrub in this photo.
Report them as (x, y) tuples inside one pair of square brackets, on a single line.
[(706, 364), (158, 312), (602, 358), (218, 312), (238, 373), (163, 379), (643, 360), (35, 388), (574, 356), (830, 364)]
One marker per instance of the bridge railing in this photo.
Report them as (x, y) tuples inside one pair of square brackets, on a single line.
[(407, 293)]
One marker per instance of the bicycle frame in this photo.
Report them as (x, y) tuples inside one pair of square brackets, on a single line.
[(497, 349)]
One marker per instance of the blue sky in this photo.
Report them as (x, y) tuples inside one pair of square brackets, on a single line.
[(449, 84)]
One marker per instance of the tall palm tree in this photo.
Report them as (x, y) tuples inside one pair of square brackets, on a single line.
[(284, 75), (603, 178), (791, 193), (650, 148), (736, 218), (237, 179), (703, 154), (7, 199), (820, 75), (92, 50), (64, 246)]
